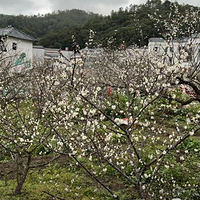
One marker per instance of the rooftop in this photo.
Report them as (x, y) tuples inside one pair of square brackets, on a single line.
[(156, 40), (38, 47), (13, 32)]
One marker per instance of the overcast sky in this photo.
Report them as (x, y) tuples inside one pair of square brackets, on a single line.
[(30, 7)]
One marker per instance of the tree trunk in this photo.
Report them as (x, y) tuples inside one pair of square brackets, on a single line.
[(22, 178)]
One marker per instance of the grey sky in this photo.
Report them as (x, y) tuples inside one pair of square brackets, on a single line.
[(30, 7)]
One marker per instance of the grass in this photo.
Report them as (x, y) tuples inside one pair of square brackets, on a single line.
[(66, 181), (56, 180)]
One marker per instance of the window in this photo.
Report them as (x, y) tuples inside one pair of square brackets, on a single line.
[(155, 49), (14, 46)]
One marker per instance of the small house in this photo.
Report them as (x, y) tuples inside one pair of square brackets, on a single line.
[(16, 45)]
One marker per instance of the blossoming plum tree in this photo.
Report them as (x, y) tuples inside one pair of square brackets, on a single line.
[(148, 152), (74, 109), (23, 113)]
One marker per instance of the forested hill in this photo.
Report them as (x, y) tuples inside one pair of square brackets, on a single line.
[(49, 26), (131, 24)]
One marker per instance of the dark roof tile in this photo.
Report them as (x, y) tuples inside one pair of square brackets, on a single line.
[(13, 32)]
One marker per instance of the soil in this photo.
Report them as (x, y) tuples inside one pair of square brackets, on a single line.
[(9, 168)]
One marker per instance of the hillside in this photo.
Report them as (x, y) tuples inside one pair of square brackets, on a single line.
[(40, 26), (131, 25)]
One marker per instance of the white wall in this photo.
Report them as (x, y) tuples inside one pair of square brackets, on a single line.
[(38, 52), (169, 50), (23, 46)]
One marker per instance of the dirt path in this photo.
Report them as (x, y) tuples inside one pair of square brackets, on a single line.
[(10, 168)]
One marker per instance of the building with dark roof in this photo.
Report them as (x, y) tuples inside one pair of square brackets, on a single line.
[(16, 44), (15, 33)]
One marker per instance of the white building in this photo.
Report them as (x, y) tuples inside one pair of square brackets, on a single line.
[(187, 50), (17, 46), (42, 53)]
